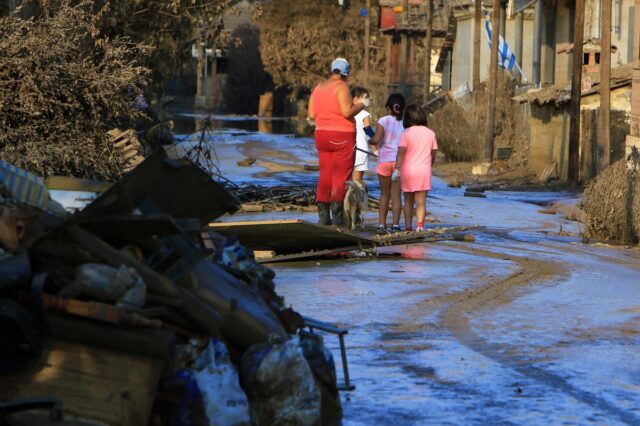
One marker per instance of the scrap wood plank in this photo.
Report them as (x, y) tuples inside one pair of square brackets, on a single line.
[(548, 171), (102, 385), (290, 236), (305, 255)]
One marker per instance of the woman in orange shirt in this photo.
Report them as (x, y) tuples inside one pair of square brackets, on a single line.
[(332, 108)]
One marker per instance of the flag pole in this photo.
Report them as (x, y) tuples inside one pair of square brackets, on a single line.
[(524, 77)]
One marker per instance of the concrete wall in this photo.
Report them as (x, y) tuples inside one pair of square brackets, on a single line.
[(622, 12), (549, 132)]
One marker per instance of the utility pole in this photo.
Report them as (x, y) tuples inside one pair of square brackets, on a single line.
[(605, 86), (367, 24), (576, 91), (477, 17), (633, 138), (404, 48), (519, 33), (503, 19), (427, 53), (537, 41), (493, 80)]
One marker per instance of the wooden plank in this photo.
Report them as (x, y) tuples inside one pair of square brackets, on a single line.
[(548, 171), (290, 236), (64, 183), (102, 385)]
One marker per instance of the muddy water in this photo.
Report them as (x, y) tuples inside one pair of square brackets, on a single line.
[(525, 326)]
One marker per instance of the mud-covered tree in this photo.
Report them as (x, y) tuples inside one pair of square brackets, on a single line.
[(168, 27), (62, 86), (299, 39)]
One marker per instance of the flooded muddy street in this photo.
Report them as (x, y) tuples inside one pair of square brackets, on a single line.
[(526, 325)]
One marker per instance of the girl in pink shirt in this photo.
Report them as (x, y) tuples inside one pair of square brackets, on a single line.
[(387, 138), (416, 154)]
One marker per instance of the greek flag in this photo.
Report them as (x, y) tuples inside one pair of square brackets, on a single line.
[(507, 58)]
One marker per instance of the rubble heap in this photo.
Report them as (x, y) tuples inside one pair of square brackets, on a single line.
[(132, 311)]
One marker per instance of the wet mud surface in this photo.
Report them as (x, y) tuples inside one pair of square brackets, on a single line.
[(525, 326)]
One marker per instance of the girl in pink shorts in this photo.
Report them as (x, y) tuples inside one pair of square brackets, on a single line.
[(388, 133), (416, 154)]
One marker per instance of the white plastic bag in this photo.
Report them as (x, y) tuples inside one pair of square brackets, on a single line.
[(224, 400)]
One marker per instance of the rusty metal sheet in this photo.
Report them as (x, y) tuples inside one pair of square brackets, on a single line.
[(290, 236)]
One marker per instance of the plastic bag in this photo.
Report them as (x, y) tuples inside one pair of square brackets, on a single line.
[(224, 400), (108, 284), (281, 385)]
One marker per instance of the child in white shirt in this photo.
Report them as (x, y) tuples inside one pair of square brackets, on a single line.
[(363, 133)]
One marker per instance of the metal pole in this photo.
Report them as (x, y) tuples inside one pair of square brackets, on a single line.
[(519, 32), (476, 43), (367, 24), (576, 90), (537, 41), (214, 80), (605, 87), (427, 59), (200, 70), (493, 80)]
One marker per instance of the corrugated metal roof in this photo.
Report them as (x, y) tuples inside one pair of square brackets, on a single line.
[(559, 94)]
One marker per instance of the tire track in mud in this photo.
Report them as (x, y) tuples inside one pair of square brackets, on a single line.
[(531, 273)]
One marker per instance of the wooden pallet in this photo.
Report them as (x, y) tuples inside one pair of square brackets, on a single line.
[(126, 141)]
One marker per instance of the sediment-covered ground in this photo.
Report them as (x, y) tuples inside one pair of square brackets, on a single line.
[(526, 325)]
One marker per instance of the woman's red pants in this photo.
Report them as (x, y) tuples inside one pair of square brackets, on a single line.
[(336, 154)]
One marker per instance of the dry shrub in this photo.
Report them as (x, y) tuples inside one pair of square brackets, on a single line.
[(62, 87), (459, 137), (611, 204), (461, 125)]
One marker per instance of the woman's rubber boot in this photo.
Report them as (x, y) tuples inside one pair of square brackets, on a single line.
[(323, 214), (337, 213)]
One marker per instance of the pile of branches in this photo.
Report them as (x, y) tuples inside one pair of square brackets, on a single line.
[(611, 203), (62, 86), (297, 195)]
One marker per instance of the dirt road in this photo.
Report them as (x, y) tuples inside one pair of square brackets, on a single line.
[(525, 326)]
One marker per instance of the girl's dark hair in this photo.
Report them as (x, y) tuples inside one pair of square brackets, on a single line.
[(396, 104), (414, 116), (359, 92)]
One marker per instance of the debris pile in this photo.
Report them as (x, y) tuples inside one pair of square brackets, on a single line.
[(611, 204), (258, 198), (133, 311), (276, 198)]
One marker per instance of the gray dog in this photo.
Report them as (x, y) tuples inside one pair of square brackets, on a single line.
[(355, 205)]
